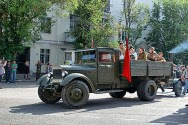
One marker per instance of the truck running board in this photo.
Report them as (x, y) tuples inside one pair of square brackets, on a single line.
[(107, 91)]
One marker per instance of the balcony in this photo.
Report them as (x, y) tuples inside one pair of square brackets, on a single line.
[(68, 37)]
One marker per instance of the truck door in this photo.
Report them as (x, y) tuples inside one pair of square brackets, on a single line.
[(105, 67)]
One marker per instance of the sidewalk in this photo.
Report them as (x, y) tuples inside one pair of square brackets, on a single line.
[(20, 78)]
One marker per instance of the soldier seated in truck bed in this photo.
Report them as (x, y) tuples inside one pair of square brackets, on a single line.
[(153, 56)]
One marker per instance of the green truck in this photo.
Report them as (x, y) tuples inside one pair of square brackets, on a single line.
[(99, 70)]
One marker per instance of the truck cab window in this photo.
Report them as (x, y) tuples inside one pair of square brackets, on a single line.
[(105, 57)]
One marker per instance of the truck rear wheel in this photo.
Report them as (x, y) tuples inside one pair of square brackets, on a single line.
[(47, 95), (147, 90), (75, 94), (178, 88), (118, 94)]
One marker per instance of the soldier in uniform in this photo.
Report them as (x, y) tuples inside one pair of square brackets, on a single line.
[(122, 48), (153, 56), (142, 54), (161, 58)]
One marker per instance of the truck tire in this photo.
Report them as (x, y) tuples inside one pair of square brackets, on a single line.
[(117, 94), (178, 88), (147, 90), (75, 94), (47, 96)]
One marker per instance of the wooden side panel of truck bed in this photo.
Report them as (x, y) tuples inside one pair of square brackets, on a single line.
[(150, 68), (159, 68)]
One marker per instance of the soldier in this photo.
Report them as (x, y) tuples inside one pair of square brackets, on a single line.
[(122, 48), (161, 58), (142, 54), (153, 56)]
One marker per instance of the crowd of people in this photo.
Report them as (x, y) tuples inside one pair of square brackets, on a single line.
[(181, 73), (142, 54), (8, 68)]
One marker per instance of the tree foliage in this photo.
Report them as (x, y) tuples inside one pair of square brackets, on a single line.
[(168, 24), (20, 22), (136, 19), (19, 19), (91, 24)]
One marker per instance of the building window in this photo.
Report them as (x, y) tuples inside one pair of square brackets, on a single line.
[(68, 56), (72, 22), (46, 25), (107, 9), (44, 55)]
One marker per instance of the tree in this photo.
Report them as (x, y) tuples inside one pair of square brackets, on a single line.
[(91, 25), (19, 19), (168, 22), (20, 22), (136, 19)]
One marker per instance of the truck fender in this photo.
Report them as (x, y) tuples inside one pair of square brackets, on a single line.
[(44, 80), (79, 76)]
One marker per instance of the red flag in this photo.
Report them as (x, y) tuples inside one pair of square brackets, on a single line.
[(126, 65)]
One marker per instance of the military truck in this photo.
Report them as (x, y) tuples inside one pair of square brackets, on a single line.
[(99, 70)]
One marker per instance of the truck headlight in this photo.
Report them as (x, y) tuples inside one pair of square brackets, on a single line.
[(50, 74), (64, 74)]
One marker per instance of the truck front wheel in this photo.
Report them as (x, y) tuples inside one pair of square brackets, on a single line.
[(75, 94), (47, 96), (118, 94), (147, 90)]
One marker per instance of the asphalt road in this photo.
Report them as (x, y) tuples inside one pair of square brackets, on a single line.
[(20, 105)]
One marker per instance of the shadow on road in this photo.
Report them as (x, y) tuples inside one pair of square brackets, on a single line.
[(177, 118), (92, 105)]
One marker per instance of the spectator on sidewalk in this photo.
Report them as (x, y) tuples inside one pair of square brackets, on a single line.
[(38, 72), (27, 70), (13, 71), (8, 72), (185, 78), (2, 71)]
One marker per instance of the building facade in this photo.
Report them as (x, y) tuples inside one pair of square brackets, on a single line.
[(56, 45)]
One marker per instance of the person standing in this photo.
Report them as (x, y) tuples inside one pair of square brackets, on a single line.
[(122, 49), (48, 68), (38, 71), (185, 78), (13, 71), (8, 72), (2, 71), (27, 70)]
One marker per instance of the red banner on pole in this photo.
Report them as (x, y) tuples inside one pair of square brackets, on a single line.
[(126, 66)]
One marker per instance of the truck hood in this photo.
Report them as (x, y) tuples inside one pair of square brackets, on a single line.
[(77, 67)]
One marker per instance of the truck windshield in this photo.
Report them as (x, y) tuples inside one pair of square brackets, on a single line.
[(85, 57)]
